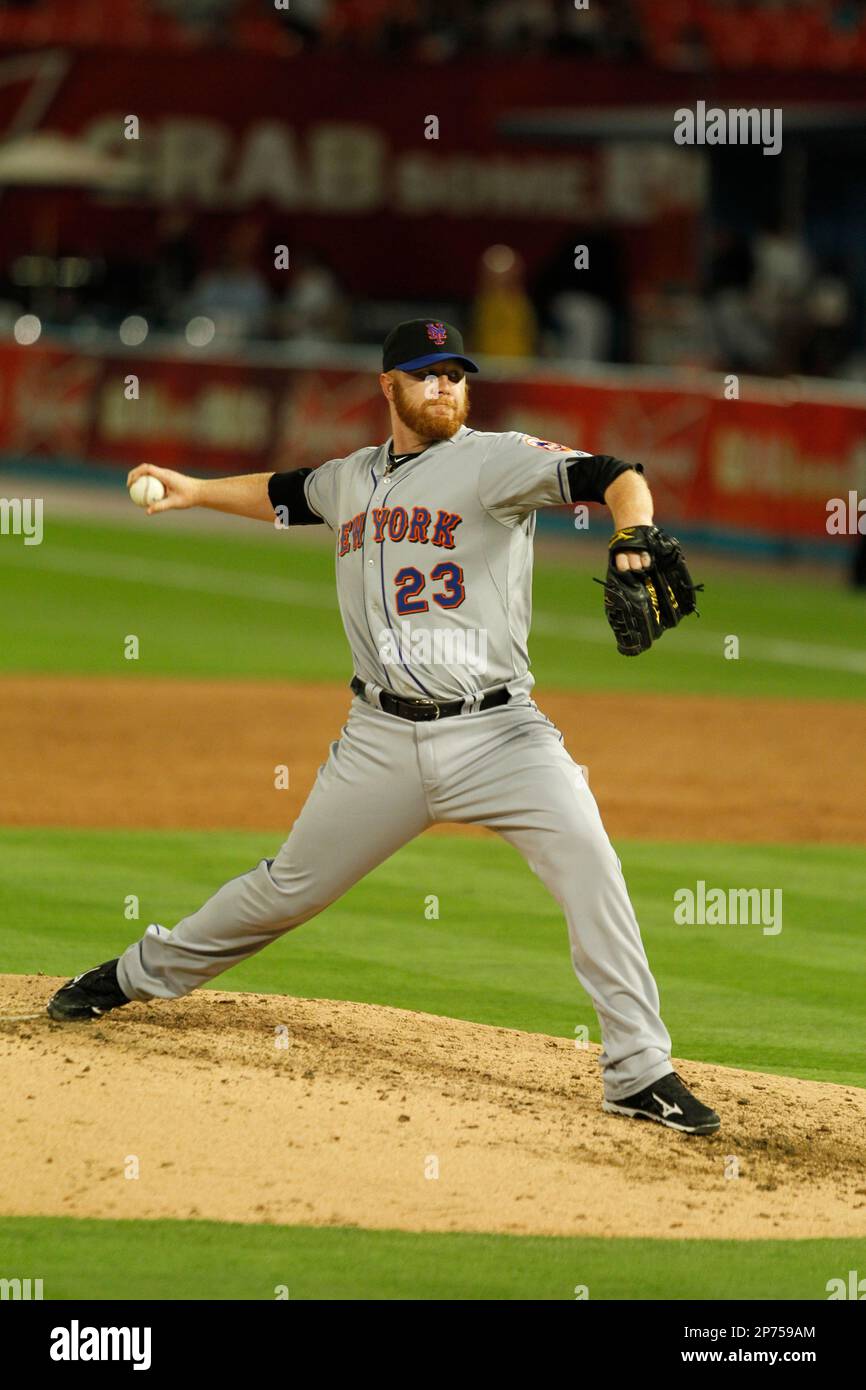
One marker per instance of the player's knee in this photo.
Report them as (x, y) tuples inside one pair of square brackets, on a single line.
[(582, 854), (292, 894)]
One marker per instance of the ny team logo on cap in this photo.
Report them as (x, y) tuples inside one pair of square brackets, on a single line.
[(422, 342)]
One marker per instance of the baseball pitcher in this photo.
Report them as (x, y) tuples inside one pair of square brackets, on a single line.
[(433, 538)]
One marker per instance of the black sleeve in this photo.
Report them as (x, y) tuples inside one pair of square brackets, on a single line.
[(287, 490), (589, 478)]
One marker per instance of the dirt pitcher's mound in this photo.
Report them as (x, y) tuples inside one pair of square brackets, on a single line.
[(246, 1107)]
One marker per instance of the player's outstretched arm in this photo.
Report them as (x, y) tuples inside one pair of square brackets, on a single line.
[(243, 496), (631, 504)]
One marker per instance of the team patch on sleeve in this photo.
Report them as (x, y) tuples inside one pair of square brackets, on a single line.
[(547, 444)]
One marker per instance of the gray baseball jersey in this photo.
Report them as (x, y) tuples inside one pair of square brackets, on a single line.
[(434, 575), (434, 559)]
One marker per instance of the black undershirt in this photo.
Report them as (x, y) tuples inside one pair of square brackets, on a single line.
[(394, 460)]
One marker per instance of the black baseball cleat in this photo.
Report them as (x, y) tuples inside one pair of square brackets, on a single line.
[(668, 1102), (88, 996)]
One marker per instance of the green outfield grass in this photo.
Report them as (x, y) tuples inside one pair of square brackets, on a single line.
[(260, 604), (792, 1003), (206, 1260)]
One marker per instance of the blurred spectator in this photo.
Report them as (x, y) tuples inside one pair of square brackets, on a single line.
[(740, 342), (503, 319), (828, 334), (783, 273), (672, 328), (520, 25), (235, 295), (206, 18), (621, 32), (582, 326), (731, 264), (583, 311), (389, 24), (783, 268), (175, 265), (582, 31), (315, 308), (772, 310), (447, 28), (306, 19)]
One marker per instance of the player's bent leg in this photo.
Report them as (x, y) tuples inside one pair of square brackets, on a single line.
[(534, 795), (366, 802)]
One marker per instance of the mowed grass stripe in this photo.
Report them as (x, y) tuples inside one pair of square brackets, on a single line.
[(166, 1260), (262, 603), (793, 1003), (228, 583)]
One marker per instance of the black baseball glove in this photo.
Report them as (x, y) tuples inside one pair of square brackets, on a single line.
[(641, 604)]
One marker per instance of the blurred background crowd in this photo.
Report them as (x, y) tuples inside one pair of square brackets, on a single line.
[(766, 303), (689, 34), (768, 291), (766, 298), (302, 175)]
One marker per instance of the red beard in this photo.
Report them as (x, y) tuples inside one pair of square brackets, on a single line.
[(433, 419)]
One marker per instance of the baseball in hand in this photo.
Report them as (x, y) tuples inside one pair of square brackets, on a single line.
[(146, 490)]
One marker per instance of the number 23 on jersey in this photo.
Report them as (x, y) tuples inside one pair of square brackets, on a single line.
[(410, 583)]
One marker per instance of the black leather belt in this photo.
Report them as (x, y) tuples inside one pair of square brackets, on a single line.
[(429, 709)]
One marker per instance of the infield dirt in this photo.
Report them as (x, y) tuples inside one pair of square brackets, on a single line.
[(150, 753)]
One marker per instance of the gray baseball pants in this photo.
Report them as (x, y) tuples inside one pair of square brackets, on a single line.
[(386, 780)]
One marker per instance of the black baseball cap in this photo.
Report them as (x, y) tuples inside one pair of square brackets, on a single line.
[(421, 342)]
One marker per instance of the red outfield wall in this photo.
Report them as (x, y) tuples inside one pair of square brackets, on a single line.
[(764, 465)]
